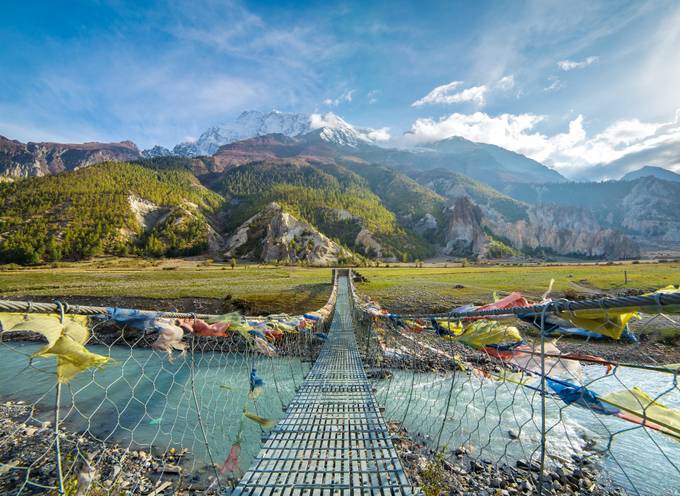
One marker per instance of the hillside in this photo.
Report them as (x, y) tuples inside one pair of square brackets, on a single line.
[(330, 197), (650, 170), (38, 159), (337, 196), (540, 229), (116, 208), (488, 163), (646, 208)]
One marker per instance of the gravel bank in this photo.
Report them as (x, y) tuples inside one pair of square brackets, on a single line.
[(455, 473), (27, 453)]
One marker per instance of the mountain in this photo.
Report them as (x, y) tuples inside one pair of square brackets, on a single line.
[(645, 208), (253, 124), (538, 229), (255, 135), (38, 159), (320, 190), (108, 208), (487, 163), (333, 199), (249, 124), (156, 152), (650, 170), (306, 209)]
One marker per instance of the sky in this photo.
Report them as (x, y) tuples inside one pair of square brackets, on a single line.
[(589, 88)]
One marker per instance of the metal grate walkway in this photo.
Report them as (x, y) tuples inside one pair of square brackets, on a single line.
[(333, 439)]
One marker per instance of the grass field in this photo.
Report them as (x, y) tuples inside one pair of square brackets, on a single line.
[(438, 288), (297, 289), (267, 289)]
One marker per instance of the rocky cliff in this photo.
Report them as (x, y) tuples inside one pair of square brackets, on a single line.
[(273, 234), (38, 159), (539, 228), (464, 235), (564, 231), (650, 209), (645, 209)]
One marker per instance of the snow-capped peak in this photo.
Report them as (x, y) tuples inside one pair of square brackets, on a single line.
[(249, 124), (336, 130), (253, 123)]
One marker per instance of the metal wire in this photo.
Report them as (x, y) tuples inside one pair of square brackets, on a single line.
[(146, 422), (503, 412)]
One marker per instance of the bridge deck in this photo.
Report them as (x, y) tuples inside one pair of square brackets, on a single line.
[(333, 439)]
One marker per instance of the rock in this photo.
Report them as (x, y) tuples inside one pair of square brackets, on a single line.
[(465, 235), (169, 469), (39, 159), (526, 486), (273, 234), (524, 465)]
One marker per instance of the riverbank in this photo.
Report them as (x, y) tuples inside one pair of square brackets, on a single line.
[(29, 465), (455, 473)]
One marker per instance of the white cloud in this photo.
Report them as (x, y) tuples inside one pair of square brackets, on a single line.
[(573, 152), (346, 97), (570, 65), (447, 94), (443, 95), (555, 84), (507, 130), (372, 96), (506, 83), (382, 134)]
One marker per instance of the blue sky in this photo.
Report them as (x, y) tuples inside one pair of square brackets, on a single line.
[(582, 86)]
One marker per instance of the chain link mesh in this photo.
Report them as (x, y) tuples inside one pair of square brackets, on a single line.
[(148, 421), (531, 418)]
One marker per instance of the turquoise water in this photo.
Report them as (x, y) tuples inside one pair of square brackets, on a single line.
[(482, 411), (142, 400)]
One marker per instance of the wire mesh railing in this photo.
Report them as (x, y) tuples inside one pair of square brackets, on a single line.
[(551, 398), (529, 398), (131, 402)]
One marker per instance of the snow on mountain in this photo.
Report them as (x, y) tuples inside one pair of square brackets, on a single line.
[(336, 130), (247, 125), (156, 151), (253, 123)]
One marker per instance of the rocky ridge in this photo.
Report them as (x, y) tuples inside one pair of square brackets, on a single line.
[(38, 159), (275, 235)]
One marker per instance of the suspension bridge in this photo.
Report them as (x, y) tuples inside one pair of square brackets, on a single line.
[(333, 438), (162, 415)]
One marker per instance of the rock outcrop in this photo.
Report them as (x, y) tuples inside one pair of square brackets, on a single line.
[(565, 231), (38, 159), (275, 235), (465, 235), (538, 228), (650, 209)]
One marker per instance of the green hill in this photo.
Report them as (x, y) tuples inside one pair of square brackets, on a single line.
[(90, 211), (337, 201)]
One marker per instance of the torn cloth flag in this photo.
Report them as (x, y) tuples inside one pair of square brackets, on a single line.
[(572, 393), (65, 341)]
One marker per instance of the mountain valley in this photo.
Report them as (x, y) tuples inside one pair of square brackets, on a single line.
[(286, 188)]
